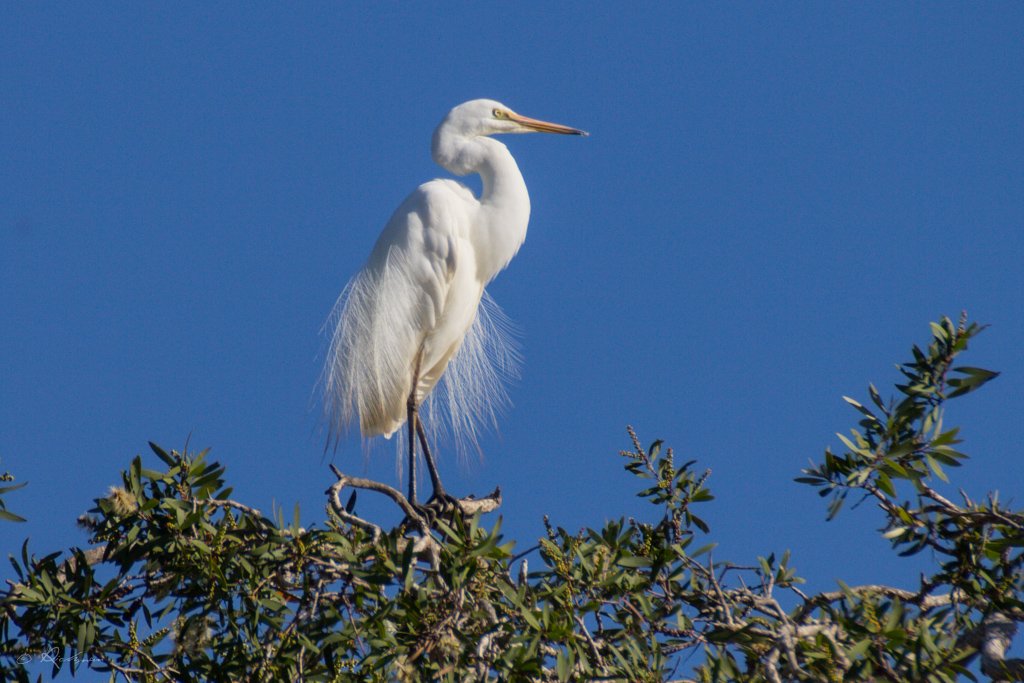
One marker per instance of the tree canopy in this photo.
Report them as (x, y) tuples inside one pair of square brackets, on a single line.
[(180, 582)]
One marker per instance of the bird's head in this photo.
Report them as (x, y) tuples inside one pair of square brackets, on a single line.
[(461, 144), (489, 117)]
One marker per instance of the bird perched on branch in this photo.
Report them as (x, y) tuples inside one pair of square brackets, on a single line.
[(413, 315)]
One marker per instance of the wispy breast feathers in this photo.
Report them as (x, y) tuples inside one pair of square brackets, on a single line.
[(378, 324)]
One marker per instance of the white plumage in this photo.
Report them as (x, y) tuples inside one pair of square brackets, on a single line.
[(413, 314)]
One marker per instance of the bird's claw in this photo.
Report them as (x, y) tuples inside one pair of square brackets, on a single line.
[(440, 505), (443, 500), (444, 506)]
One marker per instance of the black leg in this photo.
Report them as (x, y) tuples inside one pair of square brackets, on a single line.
[(412, 419), (435, 478), (416, 430)]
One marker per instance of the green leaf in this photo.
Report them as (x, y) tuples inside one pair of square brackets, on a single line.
[(876, 398), (162, 454), (703, 550), (947, 438), (858, 450), (976, 372), (83, 631), (655, 448), (885, 484), (24, 594), (947, 456), (10, 516), (975, 379), (859, 648), (12, 487), (530, 618), (936, 468), (633, 561), (562, 666), (864, 411)]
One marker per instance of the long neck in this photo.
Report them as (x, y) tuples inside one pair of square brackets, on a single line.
[(504, 212)]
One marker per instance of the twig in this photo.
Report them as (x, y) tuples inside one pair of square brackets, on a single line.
[(334, 502), (590, 641), (224, 502)]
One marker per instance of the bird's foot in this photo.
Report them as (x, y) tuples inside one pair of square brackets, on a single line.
[(443, 505), (440, 505), (444, 500)]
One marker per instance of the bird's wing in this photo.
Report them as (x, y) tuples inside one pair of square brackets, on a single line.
[(399, 296), (426, 239), (471, 351)]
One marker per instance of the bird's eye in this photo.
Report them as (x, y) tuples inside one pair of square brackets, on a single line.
[(498, 114)]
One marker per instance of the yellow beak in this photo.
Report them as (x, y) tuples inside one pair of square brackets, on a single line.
[(544, 126)]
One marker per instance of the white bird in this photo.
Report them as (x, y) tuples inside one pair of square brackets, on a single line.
[(414, 310)]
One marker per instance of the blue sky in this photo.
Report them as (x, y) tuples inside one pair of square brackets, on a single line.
[(773, 203)]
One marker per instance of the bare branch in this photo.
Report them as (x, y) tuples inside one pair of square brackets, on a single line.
[(998, 630)]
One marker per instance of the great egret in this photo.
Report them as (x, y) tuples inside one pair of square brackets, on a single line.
[(412, 311)]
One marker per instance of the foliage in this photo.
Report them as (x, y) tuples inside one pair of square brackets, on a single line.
[(5, 514), (183, 583)]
